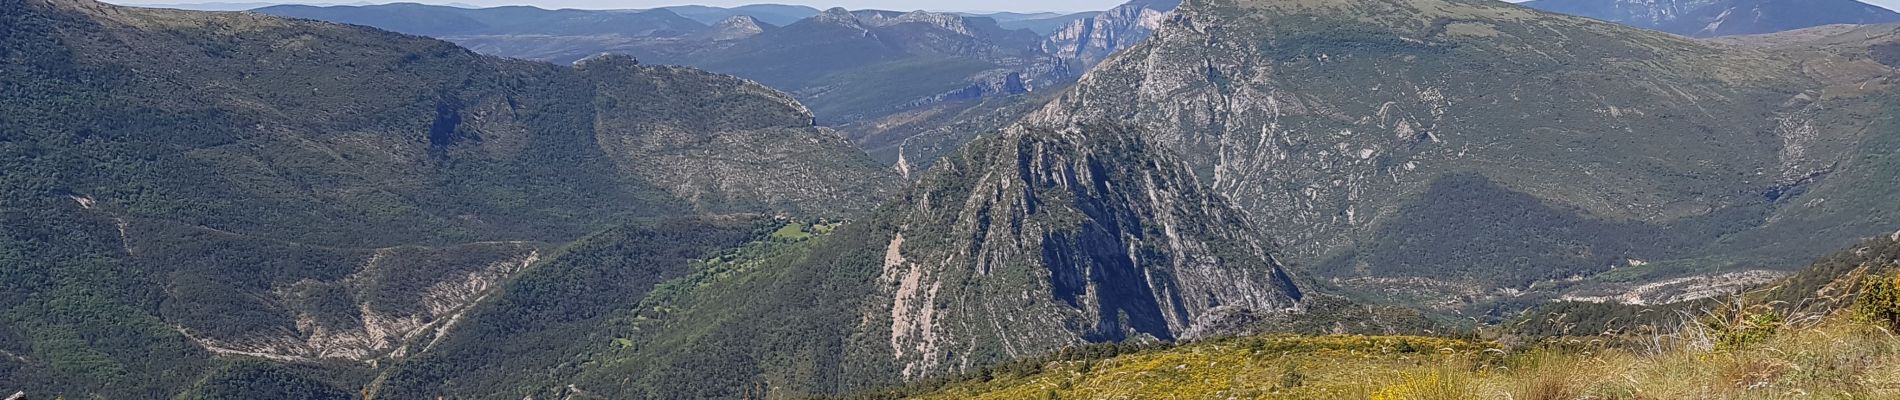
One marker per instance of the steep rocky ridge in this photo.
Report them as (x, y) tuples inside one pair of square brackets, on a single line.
[(1381, 142), (1110, 236), (1019, 245), (1086, 42), (917, 137)]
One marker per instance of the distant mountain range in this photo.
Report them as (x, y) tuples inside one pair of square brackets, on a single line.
[(1709, 18), (445, 21), (775, 14), (242, 6), (883, 77)]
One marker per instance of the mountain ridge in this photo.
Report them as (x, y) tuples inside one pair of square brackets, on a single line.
[(1341, 170), (187, 191), (883, 76), (1711, 18)]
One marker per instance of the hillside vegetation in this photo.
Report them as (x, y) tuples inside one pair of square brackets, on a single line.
[(182, 193)]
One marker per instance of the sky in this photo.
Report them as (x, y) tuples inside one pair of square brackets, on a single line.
[(947, 5), (902, 5)]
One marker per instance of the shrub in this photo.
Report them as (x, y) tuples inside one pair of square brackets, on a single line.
[(1741, 325), (1291, 377), (1879, 302), (1442, 384)]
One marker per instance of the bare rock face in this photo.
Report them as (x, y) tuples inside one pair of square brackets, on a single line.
[(1040, 239), (946, 21), (385, 311), (1090, 40)]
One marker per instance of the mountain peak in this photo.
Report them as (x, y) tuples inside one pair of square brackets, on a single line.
[(838, 16), (950, 22), (736, 27)]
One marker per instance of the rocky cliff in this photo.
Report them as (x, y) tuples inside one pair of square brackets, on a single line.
[(1088, 41), (1039, 239)]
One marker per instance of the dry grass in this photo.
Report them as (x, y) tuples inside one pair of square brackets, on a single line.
[(1739, 350), (1836, 359)]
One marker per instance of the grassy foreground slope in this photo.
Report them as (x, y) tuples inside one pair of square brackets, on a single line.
[(1841, 360)]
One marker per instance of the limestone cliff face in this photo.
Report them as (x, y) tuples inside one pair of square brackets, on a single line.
[(1039, 239), (1090, 40)]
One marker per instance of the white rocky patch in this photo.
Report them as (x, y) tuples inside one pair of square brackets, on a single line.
[(84, 202), (913, 311), (378, 334), (903, 166), (1681, 289)]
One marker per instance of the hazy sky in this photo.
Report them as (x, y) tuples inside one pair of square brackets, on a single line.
[(1890, 4), (903, 5), (954, 5)]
